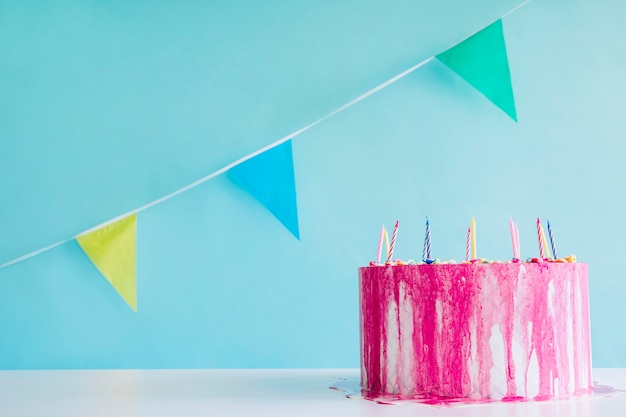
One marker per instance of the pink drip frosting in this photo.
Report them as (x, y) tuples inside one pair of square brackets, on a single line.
[(514, 330)]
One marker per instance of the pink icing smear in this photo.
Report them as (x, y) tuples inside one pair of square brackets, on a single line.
[(477, 331)]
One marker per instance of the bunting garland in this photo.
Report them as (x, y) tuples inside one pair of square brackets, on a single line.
[(268, 175)]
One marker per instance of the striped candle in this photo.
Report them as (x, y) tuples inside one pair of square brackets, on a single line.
[(467, 245), (539, 238), (473, 238), (426, 254), (393, 242), (380, 244), (552, 241)]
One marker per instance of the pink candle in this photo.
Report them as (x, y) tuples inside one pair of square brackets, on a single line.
[(539, 238), (518, 253), (512, 227), (393, 242)]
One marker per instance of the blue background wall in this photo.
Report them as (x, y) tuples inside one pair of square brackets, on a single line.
[(106, 107)]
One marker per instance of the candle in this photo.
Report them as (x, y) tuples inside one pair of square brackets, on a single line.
[(467, 244), (426, 254), (539, 238), (380, 244), (512, 228), (552, 241), (518, 254), (544, 242), (386, 241), (473, 238), (393, 242)]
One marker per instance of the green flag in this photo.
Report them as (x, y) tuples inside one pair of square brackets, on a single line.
[(481, 61)]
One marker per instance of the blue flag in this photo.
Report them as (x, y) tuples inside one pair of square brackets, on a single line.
[(269, 177)]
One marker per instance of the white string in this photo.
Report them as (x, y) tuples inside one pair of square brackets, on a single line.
[(516, 8), (245, 158)]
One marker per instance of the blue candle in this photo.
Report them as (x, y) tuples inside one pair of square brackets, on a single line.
[(426, 254), (552, 241)]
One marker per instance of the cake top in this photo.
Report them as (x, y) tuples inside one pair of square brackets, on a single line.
[(470, 249), (437, 261)]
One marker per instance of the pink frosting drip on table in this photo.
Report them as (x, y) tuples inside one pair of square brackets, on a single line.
[(426, 329)]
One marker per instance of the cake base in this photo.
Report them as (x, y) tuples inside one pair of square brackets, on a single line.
[(514, 330)]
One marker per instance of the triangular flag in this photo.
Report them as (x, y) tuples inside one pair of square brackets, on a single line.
[(112, 249), (269, 177), (481, 61)]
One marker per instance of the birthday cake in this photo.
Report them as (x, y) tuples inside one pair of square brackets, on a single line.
[(476, 329)]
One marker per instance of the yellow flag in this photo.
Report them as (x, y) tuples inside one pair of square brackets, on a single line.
[(112, 249)]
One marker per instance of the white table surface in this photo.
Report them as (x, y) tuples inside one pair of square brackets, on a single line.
[(275, 393)]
